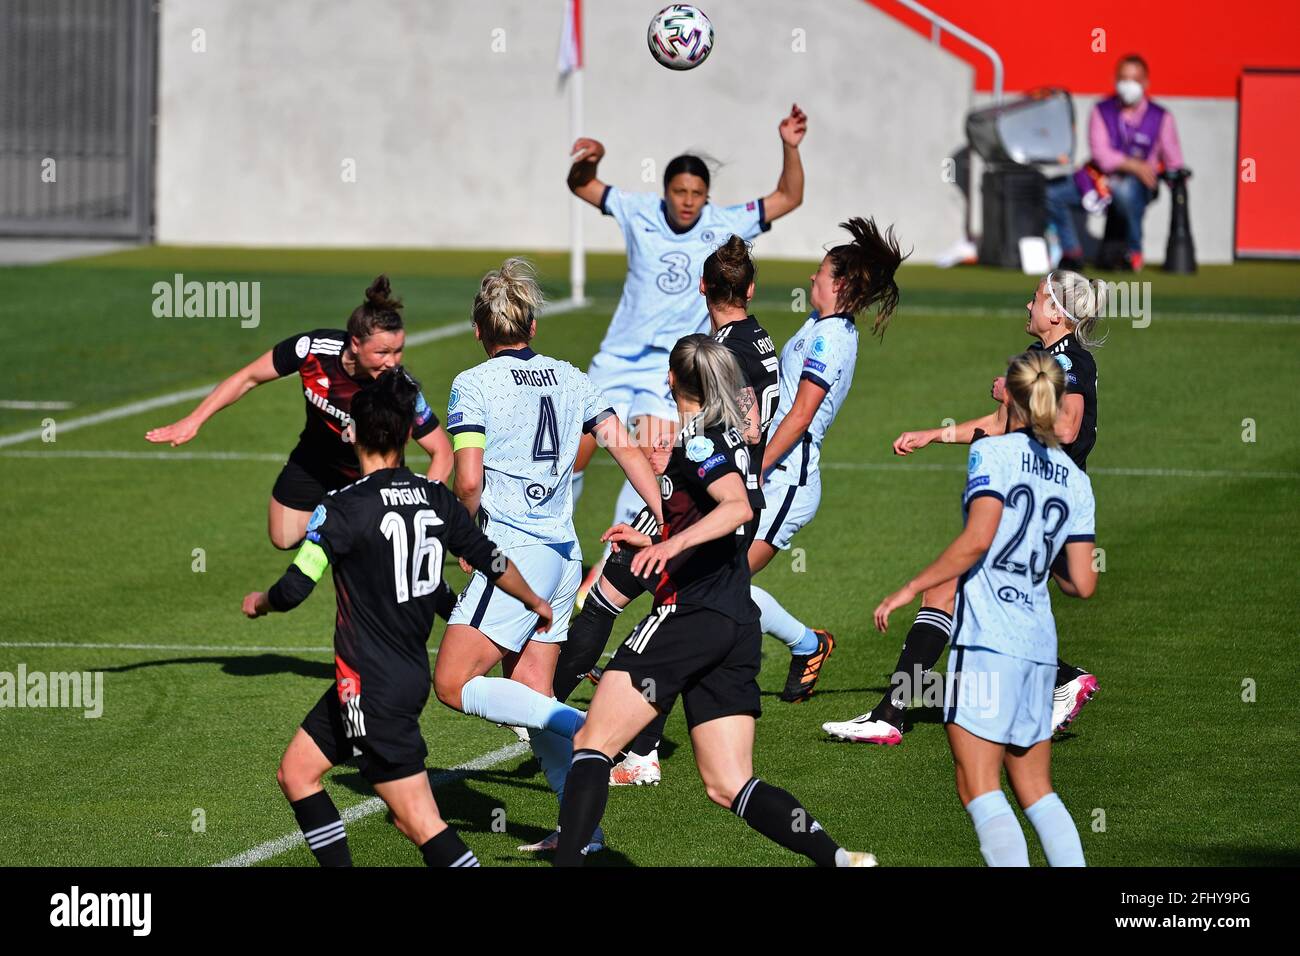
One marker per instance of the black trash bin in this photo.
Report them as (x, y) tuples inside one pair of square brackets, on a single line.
[(1013, 208)]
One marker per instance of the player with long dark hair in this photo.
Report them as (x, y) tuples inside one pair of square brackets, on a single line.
[(384, 535), (668, 237), (701, 640), (1063, 316), (1029, 513), (333, 365)]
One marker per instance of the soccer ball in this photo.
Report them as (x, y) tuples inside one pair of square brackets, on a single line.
[(680, 36)]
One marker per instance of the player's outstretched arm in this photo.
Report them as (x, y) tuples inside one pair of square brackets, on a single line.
[(227, 393), (586, 154), (1082, 582), (294, 586), (788, 195), (731, 512), (967, 548), (438, 445), (806, 401), (611, 434), (963, 433)]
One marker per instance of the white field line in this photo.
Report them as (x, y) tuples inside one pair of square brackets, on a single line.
[(190, 394), (25, 406), (283, 844), (828, 465), (1157, 315)]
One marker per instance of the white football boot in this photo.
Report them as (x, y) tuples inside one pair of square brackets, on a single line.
[(638, 771), (1069, 698), (864, 729)]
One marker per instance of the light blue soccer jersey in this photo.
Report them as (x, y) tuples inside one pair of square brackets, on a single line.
[(824, 351), (528, 413), (661, 299), (1002, 602)]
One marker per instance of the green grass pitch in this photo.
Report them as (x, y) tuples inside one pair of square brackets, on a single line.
[(1196, 610)]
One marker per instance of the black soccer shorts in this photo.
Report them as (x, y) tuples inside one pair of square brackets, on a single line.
[(706, 658), (390, 748)]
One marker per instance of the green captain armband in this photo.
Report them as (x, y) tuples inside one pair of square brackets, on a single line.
[(468, 439), (311, 560)]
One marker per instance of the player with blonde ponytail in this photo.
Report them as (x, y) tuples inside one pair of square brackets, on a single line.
[(1063, 315), (1028, 512), (516, 421)]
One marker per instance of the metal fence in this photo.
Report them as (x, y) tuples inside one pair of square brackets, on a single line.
[(77, 93)]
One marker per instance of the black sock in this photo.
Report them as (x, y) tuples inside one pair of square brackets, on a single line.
[(447, 849), (444, 601), (921, 650), (585, 794), (1066, 672), (323, 829), (649, 738), (588, 635), (782, 819)]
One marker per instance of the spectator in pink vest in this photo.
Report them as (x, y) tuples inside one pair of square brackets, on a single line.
[(1132, 141)]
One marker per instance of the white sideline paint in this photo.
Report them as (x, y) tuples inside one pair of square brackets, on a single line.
[(283, 844), (189, 394), (828, 465), (24, 406), (228, 648)]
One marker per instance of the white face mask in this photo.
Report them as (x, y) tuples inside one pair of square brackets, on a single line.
[(1129, 91)]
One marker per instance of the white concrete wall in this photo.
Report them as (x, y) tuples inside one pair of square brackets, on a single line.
[(456, 145), (459, 146)]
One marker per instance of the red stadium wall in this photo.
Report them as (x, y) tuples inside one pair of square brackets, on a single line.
[(1195, 48)]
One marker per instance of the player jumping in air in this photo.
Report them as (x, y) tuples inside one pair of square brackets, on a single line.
[(668, 237), (385, 535), (333, 365), (1029, 513), (727, 285), (701, 641), (1062, 316), (516, 420), (816, 373)]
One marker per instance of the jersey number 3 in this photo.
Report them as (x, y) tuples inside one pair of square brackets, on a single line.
[(424, 575)]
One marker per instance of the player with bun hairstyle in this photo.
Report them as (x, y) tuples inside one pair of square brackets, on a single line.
[(1063, 316), (727, 284), (333, 365), (1029, 512), (516, 421), (668, 237), (817, 367), (701, 640), (384, 535)]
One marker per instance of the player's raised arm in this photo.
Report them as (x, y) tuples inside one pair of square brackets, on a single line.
[(788, 194), (262, 369), (586, 154)]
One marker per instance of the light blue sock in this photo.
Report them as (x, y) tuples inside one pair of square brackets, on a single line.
[(505, 701), (1056, 832), (781, 624), (1002, 842), (575, 486), (629, 504), (554, 753)]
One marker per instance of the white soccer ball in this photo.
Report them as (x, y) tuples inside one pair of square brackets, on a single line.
[(680, 36)]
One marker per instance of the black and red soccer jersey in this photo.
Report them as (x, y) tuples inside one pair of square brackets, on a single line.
[(756, 355), (317, 357), (385, 536), (1080, 379), (714, 574)]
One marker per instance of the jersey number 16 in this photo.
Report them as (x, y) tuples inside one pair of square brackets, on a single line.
[(425, 576)]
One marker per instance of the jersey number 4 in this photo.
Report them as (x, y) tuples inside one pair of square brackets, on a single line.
[(546, 440), (425, 564)]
